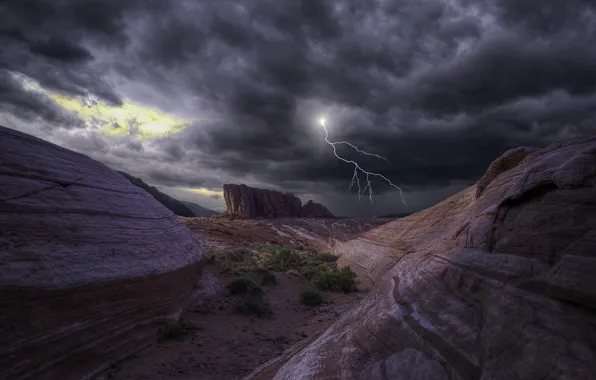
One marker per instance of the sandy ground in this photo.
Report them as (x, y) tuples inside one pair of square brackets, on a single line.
[(227, 345), (318, 234)]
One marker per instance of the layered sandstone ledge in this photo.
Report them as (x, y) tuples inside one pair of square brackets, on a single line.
[(90, 265)]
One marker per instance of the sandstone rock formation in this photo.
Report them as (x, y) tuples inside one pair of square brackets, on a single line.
[(507, 161), (172, 204), (315, 210), (248, 202), (90, 265), (499, 286)]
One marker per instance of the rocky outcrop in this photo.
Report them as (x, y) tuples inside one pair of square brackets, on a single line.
[(248, 202), (172, 204), (315, 210), (90, 265), (506, 161), (498, 287)]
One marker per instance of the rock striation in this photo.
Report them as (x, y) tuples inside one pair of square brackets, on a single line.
[(497, 284), (91, 266), (248, 202)]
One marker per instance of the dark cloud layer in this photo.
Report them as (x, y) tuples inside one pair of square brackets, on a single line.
[(438, 87)]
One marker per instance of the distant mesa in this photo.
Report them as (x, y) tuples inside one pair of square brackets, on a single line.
[(180, 208), (248, 202)]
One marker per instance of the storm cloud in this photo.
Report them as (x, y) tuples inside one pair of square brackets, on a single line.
[(438, 87)]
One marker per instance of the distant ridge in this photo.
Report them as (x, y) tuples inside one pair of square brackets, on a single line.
[(172, 204), (199, 210)]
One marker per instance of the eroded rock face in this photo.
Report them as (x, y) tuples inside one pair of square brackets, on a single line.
[(506, 161), (90, 265), (498, 287), (248, 202), (315, 210)]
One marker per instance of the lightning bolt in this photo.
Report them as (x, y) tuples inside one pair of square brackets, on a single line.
[(358, 168)]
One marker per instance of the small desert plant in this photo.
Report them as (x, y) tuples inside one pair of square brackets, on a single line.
[(262, 276), (324, 257), (177, 332), (244, 286), (239, 260), (342, 280), (238, 254), (311, 298), (281, 259), (252, 304), (210, 257)]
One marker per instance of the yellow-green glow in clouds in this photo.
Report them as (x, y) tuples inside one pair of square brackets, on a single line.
[(205, 191), (129, 118)]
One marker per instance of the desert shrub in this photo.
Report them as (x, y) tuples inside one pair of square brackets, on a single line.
[(243, 286), (252, 304), (294, 272), (311, 298), (262, 276), (210, 257), (309, 272), (281, 259), (321, 258), (338, 280), (238, 254), (177, 332), (239, 260)]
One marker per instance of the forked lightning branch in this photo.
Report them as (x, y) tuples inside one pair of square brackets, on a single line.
[(367, 188)]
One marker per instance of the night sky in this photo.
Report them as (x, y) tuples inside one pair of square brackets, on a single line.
[(189, 95)]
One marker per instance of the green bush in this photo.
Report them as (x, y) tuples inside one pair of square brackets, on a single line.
[(239, 260), (281, 259), (311, 298), (342, 280), (262, 276), (321, 258), (243, 286), (253, 304)]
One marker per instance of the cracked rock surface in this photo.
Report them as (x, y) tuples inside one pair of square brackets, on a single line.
[(90, 265), (496, 284)]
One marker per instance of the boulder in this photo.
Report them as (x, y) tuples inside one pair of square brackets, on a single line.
[(91, 266), (248, 202), (499, 286)]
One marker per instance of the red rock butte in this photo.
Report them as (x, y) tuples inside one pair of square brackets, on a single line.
[(248, 202)]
